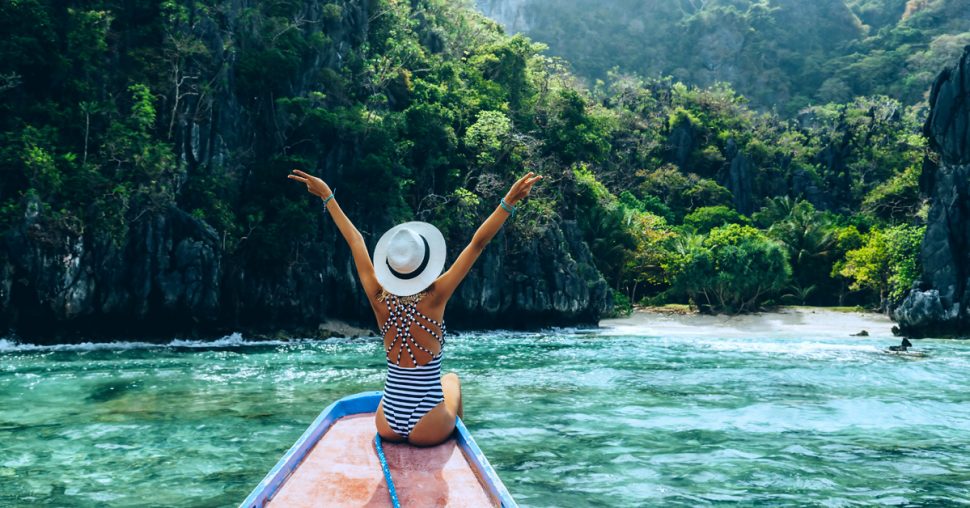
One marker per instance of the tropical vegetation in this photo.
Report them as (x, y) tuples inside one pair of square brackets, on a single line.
[(684, 194)]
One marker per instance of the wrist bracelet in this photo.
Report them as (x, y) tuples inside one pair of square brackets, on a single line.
[(508, 208), (328, 198)]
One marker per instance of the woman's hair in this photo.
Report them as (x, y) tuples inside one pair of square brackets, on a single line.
[(429, 290)]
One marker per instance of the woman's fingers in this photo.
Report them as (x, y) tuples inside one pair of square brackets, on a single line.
[(297, 178), (530, 183), (521, 183), (301, 173)]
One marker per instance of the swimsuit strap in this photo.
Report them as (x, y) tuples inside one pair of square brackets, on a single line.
[(402, 313)]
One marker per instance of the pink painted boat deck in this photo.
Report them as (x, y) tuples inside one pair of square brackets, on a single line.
[(343, 470)]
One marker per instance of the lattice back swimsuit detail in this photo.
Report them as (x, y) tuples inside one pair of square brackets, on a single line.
[(409, 393)]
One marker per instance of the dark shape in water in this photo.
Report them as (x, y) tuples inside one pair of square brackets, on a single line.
[(110, 391), (905, 345)]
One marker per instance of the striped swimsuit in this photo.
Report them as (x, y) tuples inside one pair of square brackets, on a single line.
[(409, 393)]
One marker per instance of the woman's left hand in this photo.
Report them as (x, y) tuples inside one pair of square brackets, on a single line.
[(314, 185), (522, 188)]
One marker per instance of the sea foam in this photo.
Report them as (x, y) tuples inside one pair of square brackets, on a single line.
[(233, 340)]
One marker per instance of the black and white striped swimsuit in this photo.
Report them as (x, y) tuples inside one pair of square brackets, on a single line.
[(409, 393)]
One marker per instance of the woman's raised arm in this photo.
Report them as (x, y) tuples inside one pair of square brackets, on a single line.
[(446, 284), (365, 268)]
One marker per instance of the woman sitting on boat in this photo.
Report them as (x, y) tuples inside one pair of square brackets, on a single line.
[(408, 298)]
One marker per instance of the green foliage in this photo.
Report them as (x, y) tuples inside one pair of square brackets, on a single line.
[(488, 136), (781, 55), (40, 165), (428, 111), (887, 263), (733, 269), (577, 131), (707, 218), (647, 204), (809, 241), (621, 305), (897, 199), (604, 224), (142, 109), (644, 273), (680, 193)]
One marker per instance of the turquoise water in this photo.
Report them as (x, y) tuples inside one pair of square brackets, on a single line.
[(567, 417)]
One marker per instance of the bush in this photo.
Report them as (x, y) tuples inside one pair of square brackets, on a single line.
[(707, 218), (734, 269), (621, 305), (887, 264)]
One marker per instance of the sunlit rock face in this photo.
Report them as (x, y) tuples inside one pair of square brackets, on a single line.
[(511, 14), (939, 303)]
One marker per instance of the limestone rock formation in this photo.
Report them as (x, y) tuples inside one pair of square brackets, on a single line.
[(171, 274), (938, 304), (511, 14)]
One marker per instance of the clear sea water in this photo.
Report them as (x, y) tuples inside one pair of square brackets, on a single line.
[(609, 417)]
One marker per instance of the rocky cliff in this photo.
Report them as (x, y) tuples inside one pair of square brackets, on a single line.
[(169, 272), (938, 305), (170, 277), (511, 14)]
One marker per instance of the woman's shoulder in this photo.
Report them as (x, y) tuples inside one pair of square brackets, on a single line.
[(427, 300)]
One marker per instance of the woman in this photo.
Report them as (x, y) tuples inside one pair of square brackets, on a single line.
[(408, 298)]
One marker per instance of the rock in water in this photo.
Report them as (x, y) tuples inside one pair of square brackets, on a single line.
[(938, 304)]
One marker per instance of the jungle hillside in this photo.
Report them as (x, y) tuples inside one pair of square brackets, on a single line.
[(783, 55), (145, 147)]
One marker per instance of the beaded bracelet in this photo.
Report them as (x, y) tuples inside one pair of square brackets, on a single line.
[(328, 198), (508, 208)]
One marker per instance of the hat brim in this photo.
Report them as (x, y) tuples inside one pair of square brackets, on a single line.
[(436, 260)]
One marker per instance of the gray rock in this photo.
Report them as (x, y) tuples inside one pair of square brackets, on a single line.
[(169, 273), (939, 304), (513, 15), (740, 179)]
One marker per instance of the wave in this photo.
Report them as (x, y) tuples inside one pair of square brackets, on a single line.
[(233, 340), (790, 347)]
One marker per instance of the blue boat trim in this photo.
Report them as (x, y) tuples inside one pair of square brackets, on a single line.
[(365, 402), (480, 462), (395, 502)]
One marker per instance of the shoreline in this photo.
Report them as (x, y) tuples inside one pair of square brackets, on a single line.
[(686, 309), (673, 320), (781, 322)]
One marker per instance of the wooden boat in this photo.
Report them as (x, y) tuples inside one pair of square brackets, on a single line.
[(334, 464)]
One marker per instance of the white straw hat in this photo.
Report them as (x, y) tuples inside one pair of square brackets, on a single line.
[(409, 257)]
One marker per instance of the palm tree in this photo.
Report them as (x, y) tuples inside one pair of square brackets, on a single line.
[(808, 239)]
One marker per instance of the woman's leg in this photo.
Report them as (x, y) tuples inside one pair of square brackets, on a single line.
[(383, 428), (451, 385), (438, 424)]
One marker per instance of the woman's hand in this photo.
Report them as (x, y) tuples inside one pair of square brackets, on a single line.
[(314, 185), (522, 188)]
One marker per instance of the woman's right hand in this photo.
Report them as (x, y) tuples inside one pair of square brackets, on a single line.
[(314, 185), (521, 188)]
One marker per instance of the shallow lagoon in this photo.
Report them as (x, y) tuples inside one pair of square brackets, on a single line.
[(652, 410)]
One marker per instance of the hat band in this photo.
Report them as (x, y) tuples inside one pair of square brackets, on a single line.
[(419, 269)]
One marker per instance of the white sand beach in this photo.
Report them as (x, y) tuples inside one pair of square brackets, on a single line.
[(795, 322)]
